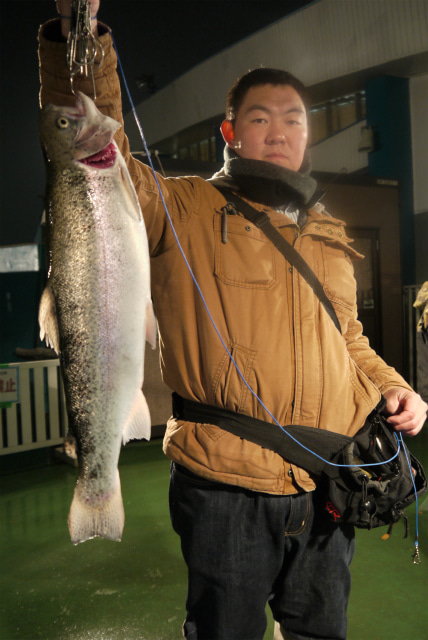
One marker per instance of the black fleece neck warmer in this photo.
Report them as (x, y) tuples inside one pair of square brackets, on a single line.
[(269, 183)]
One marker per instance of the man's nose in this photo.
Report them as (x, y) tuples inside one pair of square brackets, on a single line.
[(275, 135)]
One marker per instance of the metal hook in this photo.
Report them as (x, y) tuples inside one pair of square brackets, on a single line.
[(82, 45)]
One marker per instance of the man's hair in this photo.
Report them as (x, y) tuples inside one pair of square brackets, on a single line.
[(258, 77)]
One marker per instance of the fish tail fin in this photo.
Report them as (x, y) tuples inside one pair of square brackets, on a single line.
[(139, 424), (102, 518)]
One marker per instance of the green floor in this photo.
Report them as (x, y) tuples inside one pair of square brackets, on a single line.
[(135, 589)]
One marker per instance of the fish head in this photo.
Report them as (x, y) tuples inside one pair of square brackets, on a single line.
[(78, 134)]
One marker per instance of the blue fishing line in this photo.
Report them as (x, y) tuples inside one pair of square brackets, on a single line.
[(140, 129), (409, 464)]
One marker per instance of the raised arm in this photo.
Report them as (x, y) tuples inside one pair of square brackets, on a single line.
[(56, 89)]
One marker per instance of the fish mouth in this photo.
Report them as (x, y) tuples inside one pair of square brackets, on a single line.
[(103, 159)]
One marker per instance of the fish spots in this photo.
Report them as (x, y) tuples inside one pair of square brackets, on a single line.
[(94, 473)]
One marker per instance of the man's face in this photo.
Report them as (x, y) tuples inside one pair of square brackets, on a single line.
[(271, 125)]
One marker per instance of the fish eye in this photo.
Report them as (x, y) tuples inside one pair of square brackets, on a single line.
[(62, 123)]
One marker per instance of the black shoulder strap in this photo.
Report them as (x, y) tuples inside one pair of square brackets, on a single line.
[(261, 220)]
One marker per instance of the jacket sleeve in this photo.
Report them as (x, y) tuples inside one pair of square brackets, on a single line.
[(381, 374), (55, 88)]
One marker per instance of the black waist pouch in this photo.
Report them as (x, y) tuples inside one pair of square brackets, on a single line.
[(366, 481), (376, 483)]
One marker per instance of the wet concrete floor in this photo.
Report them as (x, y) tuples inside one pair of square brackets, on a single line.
[(135, 589)]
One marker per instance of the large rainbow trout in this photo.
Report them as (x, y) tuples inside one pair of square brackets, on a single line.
[(96, 309)]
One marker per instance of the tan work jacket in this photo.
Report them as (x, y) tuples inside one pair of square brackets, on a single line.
[(286, 346)]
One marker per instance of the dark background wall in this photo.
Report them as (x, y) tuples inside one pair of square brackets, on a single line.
[(370, 206), (163, 38)]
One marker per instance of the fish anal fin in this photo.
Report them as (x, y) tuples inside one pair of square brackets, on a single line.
[(139, 424), (101, 517), (151, 325), (48, 320)]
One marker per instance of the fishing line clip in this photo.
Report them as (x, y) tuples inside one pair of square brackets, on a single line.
[(82, 45)]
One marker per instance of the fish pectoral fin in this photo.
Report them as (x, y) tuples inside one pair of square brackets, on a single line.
[(96, 516), (139, 424), (48, 319), (151, 325)]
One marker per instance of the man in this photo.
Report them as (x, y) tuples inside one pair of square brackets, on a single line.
[(251, 524)]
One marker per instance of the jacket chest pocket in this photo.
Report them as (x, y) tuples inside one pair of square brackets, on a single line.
[(339, 281), (247, 259)]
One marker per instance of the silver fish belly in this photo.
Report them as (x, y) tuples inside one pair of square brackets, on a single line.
[(96, 308)]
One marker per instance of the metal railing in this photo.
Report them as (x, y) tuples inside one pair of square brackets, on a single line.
[(39, 418)]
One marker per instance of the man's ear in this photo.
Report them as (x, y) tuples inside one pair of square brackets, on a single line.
[(227, 132)]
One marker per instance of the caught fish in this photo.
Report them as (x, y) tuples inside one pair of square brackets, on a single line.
[(96, 309)]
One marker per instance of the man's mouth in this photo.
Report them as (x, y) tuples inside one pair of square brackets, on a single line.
[(277, 155), (277, 158)]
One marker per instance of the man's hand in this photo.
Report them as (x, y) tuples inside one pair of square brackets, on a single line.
[(64, 9), (406, 410)]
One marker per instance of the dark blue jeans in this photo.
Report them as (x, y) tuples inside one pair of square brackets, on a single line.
[(244, 549)]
